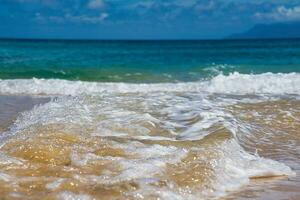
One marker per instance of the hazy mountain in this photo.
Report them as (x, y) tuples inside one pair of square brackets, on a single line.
[(276, 30)]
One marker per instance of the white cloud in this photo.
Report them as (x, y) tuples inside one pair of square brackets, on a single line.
[(39, 18), (186, 3), (281, 13), (25, 1), (86, 19), (95, 4), (82, 19), (43, 2), (209, 6)]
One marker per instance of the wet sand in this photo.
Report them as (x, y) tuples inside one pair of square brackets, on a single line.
[(283, 147), (12, 106), (281, 188)]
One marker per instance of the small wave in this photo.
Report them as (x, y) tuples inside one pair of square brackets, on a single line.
[(271, 83), (235, 83), (213, 164)]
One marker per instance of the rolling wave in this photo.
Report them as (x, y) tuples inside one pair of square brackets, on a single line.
[(235, 83)]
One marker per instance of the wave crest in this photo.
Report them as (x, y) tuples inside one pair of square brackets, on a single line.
[(235, 83)]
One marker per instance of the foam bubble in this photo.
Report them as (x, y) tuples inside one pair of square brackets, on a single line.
[(72, 196)]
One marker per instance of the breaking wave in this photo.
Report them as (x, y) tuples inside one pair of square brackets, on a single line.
[(235, 83)]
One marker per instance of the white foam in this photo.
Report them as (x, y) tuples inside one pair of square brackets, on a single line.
[(152, 160), (236, 167), (234, 83), (5, 177), (8, 160), (72, 196), (55, 184), (237, 83)]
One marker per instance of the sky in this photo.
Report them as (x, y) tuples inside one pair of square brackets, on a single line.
[(144, 19)]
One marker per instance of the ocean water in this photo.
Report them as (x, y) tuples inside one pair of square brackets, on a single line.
[(145, 61), (152, 119)]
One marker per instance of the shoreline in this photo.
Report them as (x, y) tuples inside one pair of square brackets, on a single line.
[(266, 188), (12, 105)]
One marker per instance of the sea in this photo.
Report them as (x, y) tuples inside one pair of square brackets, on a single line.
[(190, 119)]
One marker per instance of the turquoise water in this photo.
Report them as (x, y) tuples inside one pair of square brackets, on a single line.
[(145, 61)]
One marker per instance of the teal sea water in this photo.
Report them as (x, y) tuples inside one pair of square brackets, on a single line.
[(145, 61)]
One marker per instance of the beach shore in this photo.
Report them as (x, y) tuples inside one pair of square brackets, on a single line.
[(12, 106), (262, 188)]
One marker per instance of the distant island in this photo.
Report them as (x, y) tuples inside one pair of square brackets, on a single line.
[(271, 31)]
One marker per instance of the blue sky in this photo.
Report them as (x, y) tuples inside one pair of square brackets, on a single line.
[(133, 19)]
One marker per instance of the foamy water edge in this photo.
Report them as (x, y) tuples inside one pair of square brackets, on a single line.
[(235, 83)]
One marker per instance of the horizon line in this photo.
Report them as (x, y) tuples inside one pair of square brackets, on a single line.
[(146, 39)]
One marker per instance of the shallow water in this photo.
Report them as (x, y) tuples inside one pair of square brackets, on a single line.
[(12, 106), (135, 142), (282, 144)]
